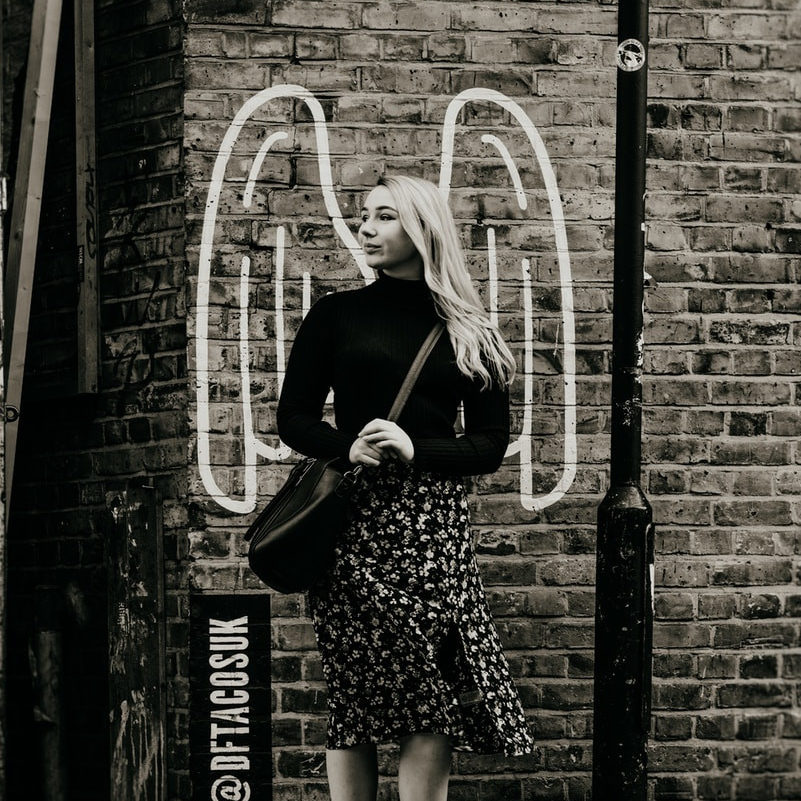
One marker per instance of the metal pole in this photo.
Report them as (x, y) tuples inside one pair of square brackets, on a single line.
[(624, 575)]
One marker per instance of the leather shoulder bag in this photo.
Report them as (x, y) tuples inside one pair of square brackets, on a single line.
[(292, 540)]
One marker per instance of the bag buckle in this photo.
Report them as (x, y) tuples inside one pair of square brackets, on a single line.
[(348, 481)]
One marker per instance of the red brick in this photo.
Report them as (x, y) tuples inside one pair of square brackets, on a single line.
[(703, 56), (681, 695), (681, 26), (403, 48), (746, 25), (675, 757), (755, 694), (320, 15), (752, 573), (717, 666), (743, 178), (715, 727)]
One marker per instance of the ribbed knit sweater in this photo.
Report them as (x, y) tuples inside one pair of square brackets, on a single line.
[(362, 343)]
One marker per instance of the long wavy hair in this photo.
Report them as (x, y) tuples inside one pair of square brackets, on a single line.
[(425, 216)]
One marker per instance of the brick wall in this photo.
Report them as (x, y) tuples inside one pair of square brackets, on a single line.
[(721, 419), (143, 409), (721, 415), (76, 453)]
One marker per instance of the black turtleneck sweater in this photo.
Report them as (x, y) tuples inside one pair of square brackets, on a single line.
[(362, 343)]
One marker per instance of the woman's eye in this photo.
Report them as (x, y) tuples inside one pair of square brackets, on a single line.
[(385, 217)]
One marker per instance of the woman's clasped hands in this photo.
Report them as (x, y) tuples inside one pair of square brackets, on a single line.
[(379, 440)]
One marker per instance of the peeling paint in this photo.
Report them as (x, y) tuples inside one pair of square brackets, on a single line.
[(137, 745), (630, 411), (136, 648)]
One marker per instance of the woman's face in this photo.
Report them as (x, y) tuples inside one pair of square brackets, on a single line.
[(385, 243)]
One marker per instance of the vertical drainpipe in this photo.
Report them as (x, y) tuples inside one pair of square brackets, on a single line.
[(625, 549)]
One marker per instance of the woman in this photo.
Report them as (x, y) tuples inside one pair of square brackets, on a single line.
[(408, 647)]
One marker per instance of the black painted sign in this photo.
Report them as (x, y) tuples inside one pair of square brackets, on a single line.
[(229, 705)]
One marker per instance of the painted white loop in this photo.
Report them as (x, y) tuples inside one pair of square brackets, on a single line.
[(251, 446), (523, 444), (254, 448)]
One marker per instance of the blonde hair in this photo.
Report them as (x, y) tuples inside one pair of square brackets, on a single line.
[(425, 216)]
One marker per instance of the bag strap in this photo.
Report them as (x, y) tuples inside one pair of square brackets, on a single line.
[(414, 371)]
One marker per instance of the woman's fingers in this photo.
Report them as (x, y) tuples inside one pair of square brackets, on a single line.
[(376, 425), (389, 437), (370, 446), (396, 446), (383, 443), (362, 452), (379, 438)]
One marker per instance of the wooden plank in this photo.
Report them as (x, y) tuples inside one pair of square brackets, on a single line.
[(137, 647), (86, 199), (24, 230), (3, 507)]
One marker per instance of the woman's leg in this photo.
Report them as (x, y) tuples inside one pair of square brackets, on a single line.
[(352, 773), (425, 765)]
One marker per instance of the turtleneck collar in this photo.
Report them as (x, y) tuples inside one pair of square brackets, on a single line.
[(403, 292)]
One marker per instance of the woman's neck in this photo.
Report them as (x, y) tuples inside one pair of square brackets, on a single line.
[(411, 270)]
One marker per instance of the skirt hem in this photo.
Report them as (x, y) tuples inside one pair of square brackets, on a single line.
[(462, 748)]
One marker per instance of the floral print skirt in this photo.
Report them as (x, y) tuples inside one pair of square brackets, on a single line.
[(405, 634)]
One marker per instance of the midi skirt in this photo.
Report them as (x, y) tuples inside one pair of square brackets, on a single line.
[(405, 634)]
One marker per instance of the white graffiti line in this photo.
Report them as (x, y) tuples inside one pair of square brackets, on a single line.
[(491, 139), (262, 448), (280, 356), (526, 461), (255, 169), (252, 446), (244, 373), (306, 292), (522, 444), (493, 275), (527, 499), (204, 269)]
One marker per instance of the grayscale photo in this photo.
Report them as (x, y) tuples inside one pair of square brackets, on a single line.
[(402, 400)]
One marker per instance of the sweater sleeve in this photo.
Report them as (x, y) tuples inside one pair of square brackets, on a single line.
[(482, 447), (306, 385)]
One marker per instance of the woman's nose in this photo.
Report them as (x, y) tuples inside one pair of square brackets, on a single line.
[(366, 228)]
